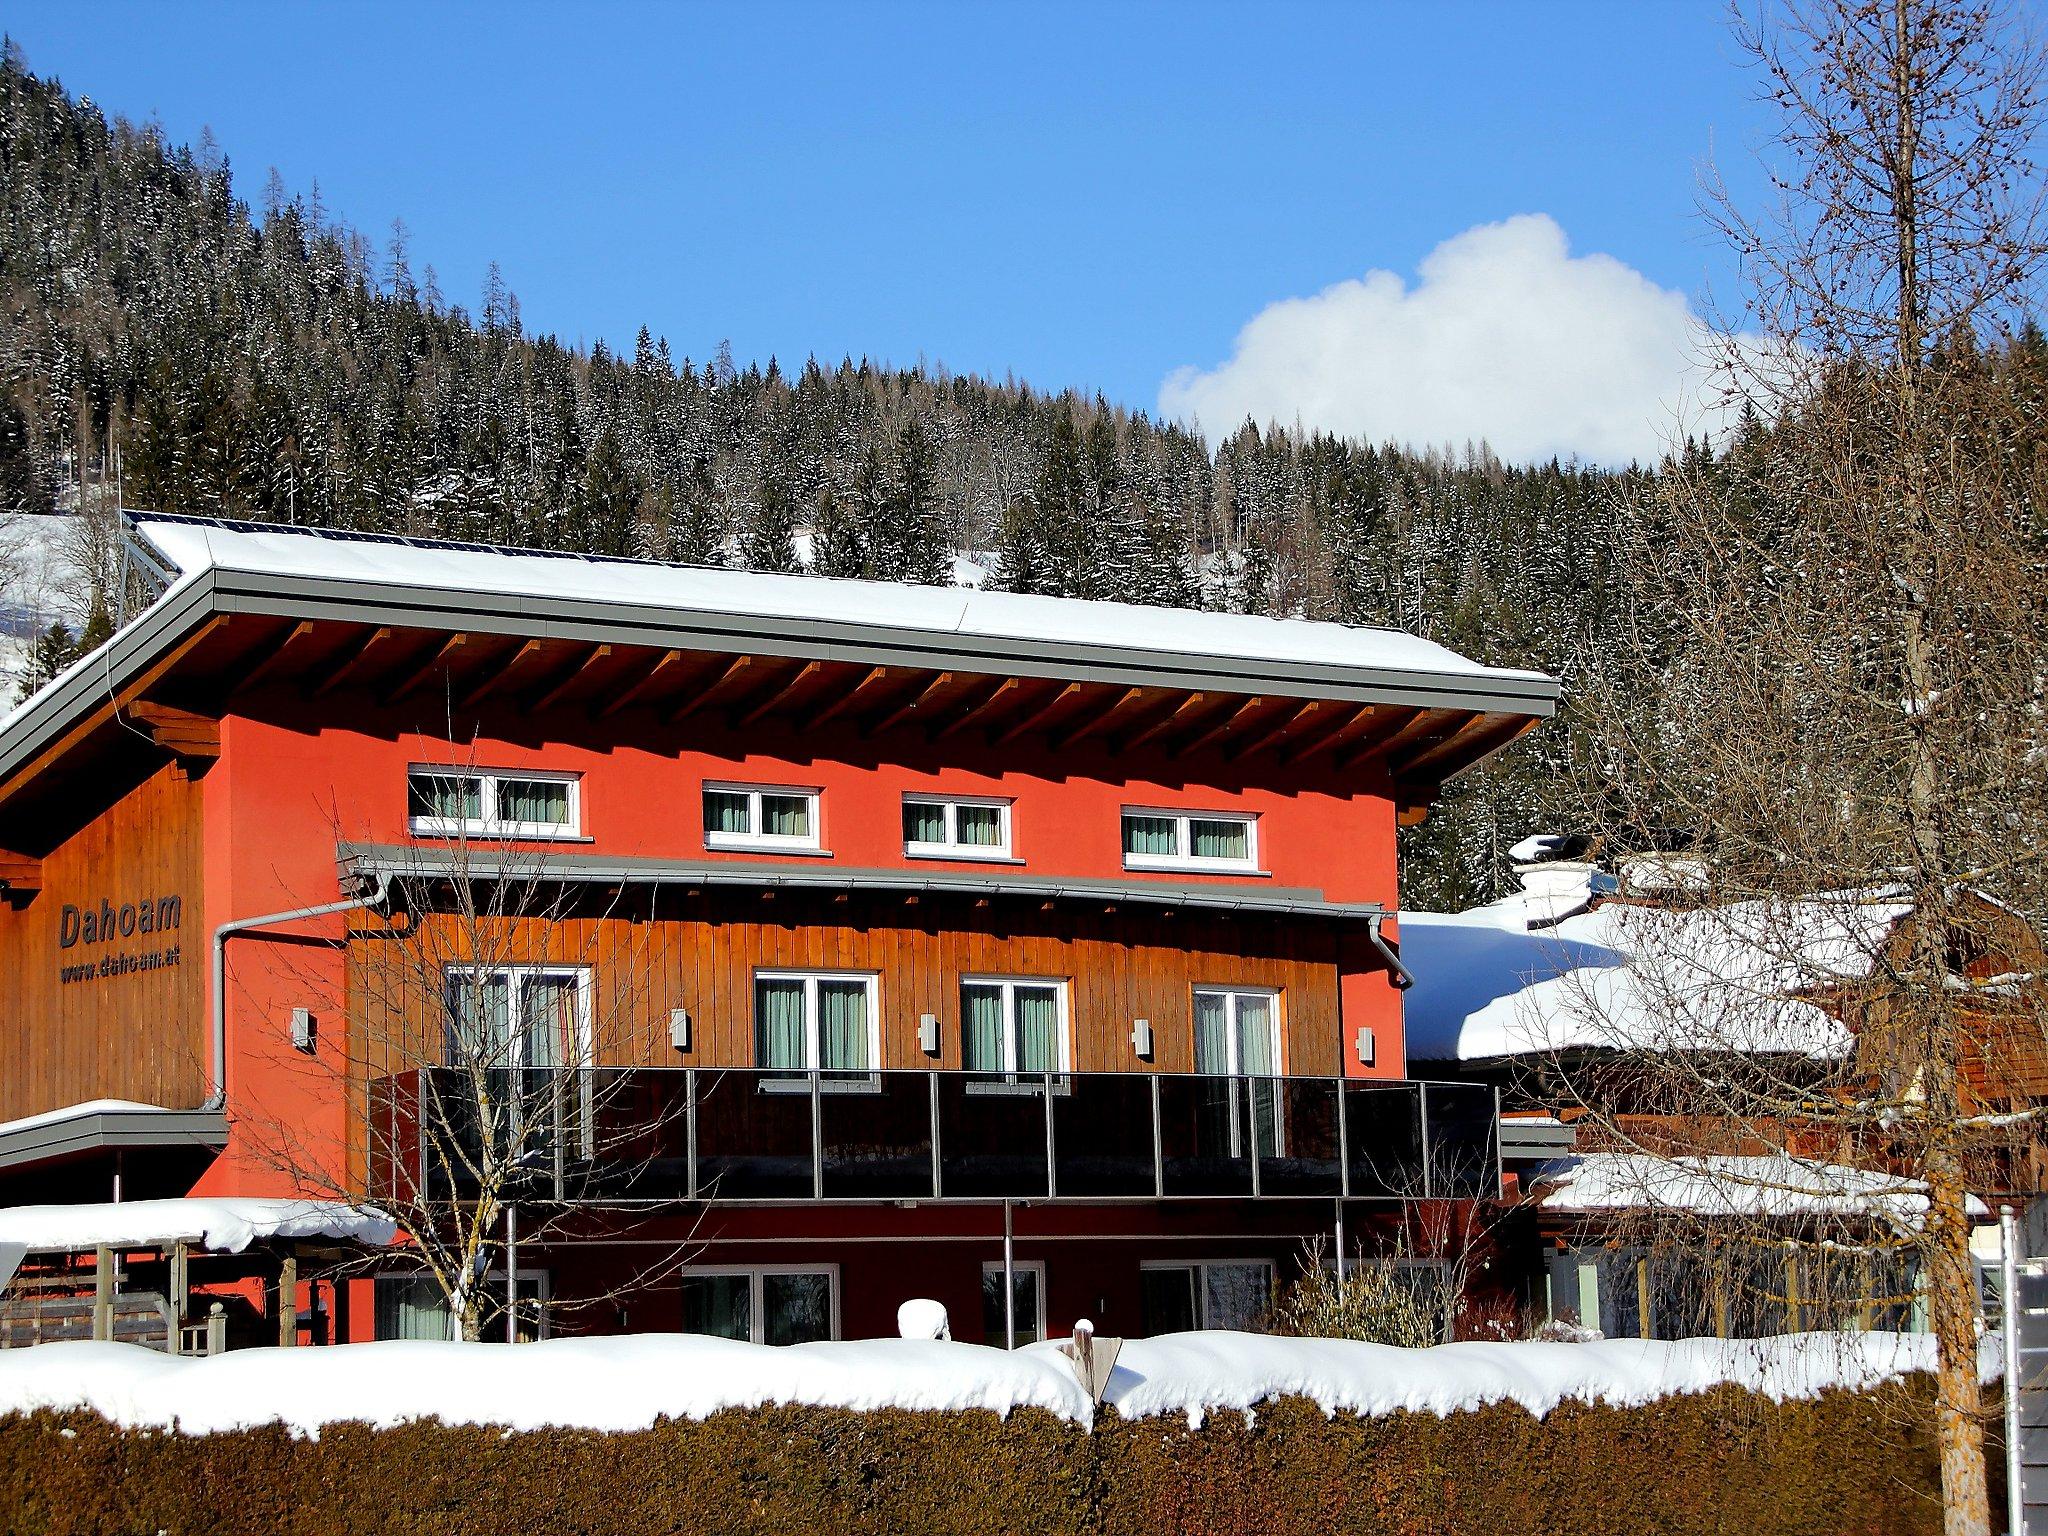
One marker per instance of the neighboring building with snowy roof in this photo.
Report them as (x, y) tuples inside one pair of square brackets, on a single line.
[(1123, 864)]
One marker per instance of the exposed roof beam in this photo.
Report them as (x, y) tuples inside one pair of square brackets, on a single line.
[(690, 703), (775, 693), (1480, 736), (1384, 725), (490, 677), (292, 643), (1220, 726), (1034, 715), (1162, 720), (179, 732), (838, 704), (345, 661), (1340, 723), (412, 676), (568, 678), (1264, 739), (1424, 723), (912, 701), (20, 875), (1094, 719), (975, 708), (661, 665)]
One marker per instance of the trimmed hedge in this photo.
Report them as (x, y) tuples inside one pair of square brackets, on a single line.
[(1725, 1463)]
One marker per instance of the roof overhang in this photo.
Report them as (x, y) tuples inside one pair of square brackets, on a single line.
[(437, 863), (54, 1139)]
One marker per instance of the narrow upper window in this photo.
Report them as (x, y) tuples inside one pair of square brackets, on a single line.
[(760, 816), (1013, 1026), (461, 802), (1185, 840), (937, 827), (816, 1021)]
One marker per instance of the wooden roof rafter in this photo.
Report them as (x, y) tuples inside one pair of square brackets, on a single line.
[(978, 705), (1340, 724), (183, 733), (414, 674), (1033, 714), (837, 704), (1220, 725), (1095, 718), (291, 648), (1178, 711), (1424, 724), (777, 694), (568, 679), (491, 674), (912, 700), (1479, 737), (1282, 726), (658, 666), (691, 701), (346, 661)]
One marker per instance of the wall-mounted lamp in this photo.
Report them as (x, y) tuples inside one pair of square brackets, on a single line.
[(1141, 1037), (679, 1028), (928, 1033), (302, 1029), (1367, 1050)]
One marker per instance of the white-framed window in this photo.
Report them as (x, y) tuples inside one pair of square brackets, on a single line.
[(471, 802), (796, 1304), (761, 816), (1162, 839), (1027, 1278), (410, 1305), (532, 1024), (949, 827), (1237, 1031), (1182, 1295), (1013, 1024), (817, 1021)]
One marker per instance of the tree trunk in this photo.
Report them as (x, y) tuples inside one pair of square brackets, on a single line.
[(1952, 1312)]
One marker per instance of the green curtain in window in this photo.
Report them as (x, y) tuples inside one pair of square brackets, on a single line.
[(1212, 1032), (924, 823), (779, 1024), (786, 815), (1154, 835), (1038, 1026), (843, 1026), (547, 1022), (1221, 839), (479, 1020), (533, 802), (979, 826), (981, 1028), (447, 796), (410, 1307), (1255, 1035), (725, 811)]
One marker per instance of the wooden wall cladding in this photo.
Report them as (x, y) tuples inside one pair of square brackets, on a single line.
[(121, 1013), (700, 950)]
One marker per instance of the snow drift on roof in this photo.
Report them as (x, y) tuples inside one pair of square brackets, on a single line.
[(1770, 1185), (83, 1111), (225, 1225), (195, 546), (1626, 977), (630, 1383)]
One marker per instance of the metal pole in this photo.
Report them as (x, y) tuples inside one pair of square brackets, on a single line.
[(2009, 1276), (511, 1274), (1009, 1282), (1340, 1242)]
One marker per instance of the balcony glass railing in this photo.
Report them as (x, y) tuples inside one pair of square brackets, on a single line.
[(735, 1134)]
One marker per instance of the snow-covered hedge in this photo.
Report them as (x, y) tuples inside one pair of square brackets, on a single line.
[(646, 1435), (634, 1382)]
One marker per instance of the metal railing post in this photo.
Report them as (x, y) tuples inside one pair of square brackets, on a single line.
[(1052, 1167), (1343, 1140), (1422, 1114), (1251, 1124), (1500, 1178), (938, 1177), (689, 1133), (817, 1136)]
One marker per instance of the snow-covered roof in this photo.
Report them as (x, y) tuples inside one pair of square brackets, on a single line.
[(631, 1383), (550, 581), (83, 1111), (1639, 978), (1772, 1185), (223, 1225)]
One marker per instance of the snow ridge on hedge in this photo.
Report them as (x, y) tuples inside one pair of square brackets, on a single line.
[(632, 1382)]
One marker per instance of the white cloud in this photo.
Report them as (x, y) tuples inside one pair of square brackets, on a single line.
[(1505, 337)]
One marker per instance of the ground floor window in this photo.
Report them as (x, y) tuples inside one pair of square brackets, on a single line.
[(412, 1306), (1211, 1293), (1028, 1287), (815, 1020), (1732, 1287), (762, 1306)]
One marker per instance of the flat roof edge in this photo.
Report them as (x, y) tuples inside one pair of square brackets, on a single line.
[(438, 863), (112, 1129)]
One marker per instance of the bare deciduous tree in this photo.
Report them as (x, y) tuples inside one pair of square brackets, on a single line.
[(1845, 618)]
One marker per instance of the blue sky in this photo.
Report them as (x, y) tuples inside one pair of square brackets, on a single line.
[(1088, 196)]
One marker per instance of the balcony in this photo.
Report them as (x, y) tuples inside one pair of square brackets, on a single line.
[(733, 1135)]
